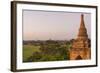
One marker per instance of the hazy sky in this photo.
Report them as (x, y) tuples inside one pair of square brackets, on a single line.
[(44, 25)]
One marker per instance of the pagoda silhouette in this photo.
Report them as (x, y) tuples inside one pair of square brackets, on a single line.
[(81, 45)]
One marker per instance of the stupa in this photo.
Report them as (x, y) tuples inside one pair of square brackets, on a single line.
[(81, 45)]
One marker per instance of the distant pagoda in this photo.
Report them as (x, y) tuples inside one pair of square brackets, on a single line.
[(81, 45)]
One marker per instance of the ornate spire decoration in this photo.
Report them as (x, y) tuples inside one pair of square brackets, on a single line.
[(82, 30)]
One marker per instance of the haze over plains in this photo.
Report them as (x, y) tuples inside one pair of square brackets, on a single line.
[(44, 25)]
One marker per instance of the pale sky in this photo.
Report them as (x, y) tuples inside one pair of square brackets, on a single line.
[(44, 25)]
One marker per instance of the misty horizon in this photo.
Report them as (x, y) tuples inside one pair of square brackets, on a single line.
[(45, 25)]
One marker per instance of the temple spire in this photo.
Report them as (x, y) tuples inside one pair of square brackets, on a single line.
[(82, 30), (81, 46), (82, 25)]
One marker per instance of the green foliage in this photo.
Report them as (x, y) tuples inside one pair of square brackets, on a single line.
[(51, 51), (28, 51)]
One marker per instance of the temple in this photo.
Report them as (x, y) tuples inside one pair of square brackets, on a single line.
[(81, 45)]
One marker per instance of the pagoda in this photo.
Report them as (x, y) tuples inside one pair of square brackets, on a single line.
[(81, 45)]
